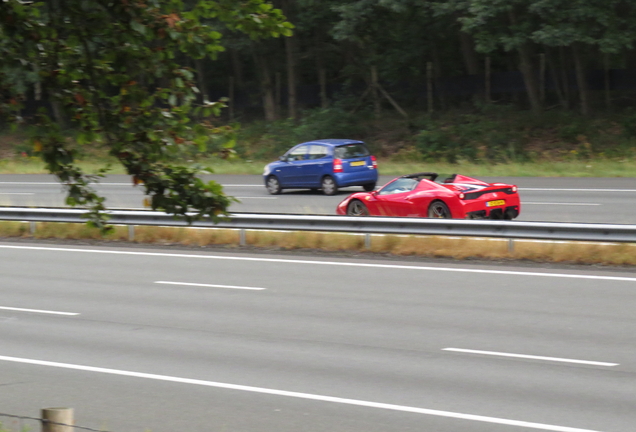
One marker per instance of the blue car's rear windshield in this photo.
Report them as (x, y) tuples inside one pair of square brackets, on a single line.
[(350, 151)]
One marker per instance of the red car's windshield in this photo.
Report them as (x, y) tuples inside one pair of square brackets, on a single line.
[(399, 185)]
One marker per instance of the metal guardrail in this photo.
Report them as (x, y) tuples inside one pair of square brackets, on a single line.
[(364, 225)]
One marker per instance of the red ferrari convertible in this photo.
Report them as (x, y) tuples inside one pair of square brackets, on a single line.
[(424, 195)]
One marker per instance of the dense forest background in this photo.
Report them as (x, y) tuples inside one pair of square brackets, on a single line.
[(406, 55), (503, 80)]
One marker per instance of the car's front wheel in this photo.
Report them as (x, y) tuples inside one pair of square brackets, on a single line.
[(357, 208), (438, 209), (273, 185), (329, 186)]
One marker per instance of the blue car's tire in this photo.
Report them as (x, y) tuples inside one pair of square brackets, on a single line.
[(273, 185), (329, 186), (369, 187)]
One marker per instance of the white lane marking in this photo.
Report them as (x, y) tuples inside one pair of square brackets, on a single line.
[(533, 357), (265, 198), (293, 394), (16, 193), (58, 184), (331, 263), (261, 185), (555, 203), (209, 285), (108, 184), (577, 190), (37, 311)]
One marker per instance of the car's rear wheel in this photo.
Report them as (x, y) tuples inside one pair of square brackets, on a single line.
[(438, 209), (369, 187), (357, 208), (273, 185), (329, 186)]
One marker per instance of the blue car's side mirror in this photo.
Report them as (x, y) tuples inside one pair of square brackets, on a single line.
[(283, 158)]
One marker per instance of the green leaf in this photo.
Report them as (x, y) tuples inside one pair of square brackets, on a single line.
[(138, 27)]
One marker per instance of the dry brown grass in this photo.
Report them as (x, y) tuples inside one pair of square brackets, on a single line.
[(426, 246)]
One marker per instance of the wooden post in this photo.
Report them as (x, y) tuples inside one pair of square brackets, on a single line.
[(57, 420), (230, 103), (374, 92), (542, 77), (564, 76), (292, 102), (278, 83), (606, 67), (392, 101), (429, 86), (322, 78), (487, 81)]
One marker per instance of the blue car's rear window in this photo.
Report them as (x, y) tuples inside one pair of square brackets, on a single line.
[(350, 151)]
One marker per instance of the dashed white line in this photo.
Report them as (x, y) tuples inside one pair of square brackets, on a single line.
[(328, 263), (264, 198), (57, 184), (299, 395), (37, 311), (563, 204), (16, 193), (531, 357), (209, 285), (109, 184), (576, 190)]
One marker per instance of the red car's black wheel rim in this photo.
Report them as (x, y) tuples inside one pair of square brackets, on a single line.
[(357, 208), (439, 210)]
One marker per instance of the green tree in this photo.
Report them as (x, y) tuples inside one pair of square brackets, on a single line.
[(586, 26), (112, 70), (507, 24)]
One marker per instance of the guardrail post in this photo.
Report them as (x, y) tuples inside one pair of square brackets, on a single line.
[(131, 233), (242, 239), (32, 227), (57, 420), (511, 245), (367, 241)]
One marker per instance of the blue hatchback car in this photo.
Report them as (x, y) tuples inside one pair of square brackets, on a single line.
[(326, 164)]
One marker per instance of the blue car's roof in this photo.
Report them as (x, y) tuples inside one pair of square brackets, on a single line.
[(333, 142)]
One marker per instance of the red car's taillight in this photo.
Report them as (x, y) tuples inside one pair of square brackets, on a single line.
[(462, 196), (514, 188), (374, 161), (337, 165)]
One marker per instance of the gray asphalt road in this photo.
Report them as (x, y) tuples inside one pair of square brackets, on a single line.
[(165, 339), (611, 200)]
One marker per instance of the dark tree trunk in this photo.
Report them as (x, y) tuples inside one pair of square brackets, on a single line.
[(290, 50), (581, 79), (237, 68), (437, 73), (558, 84), (320, 67), (527, 70), (471, 61), (201, 82), (267, 85), (375, 93), (529, 78)]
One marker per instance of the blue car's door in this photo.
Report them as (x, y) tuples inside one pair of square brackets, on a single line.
[(291, 169), (317, 164)]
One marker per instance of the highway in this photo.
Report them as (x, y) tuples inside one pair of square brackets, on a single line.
[(600, 200), (163, 339)]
